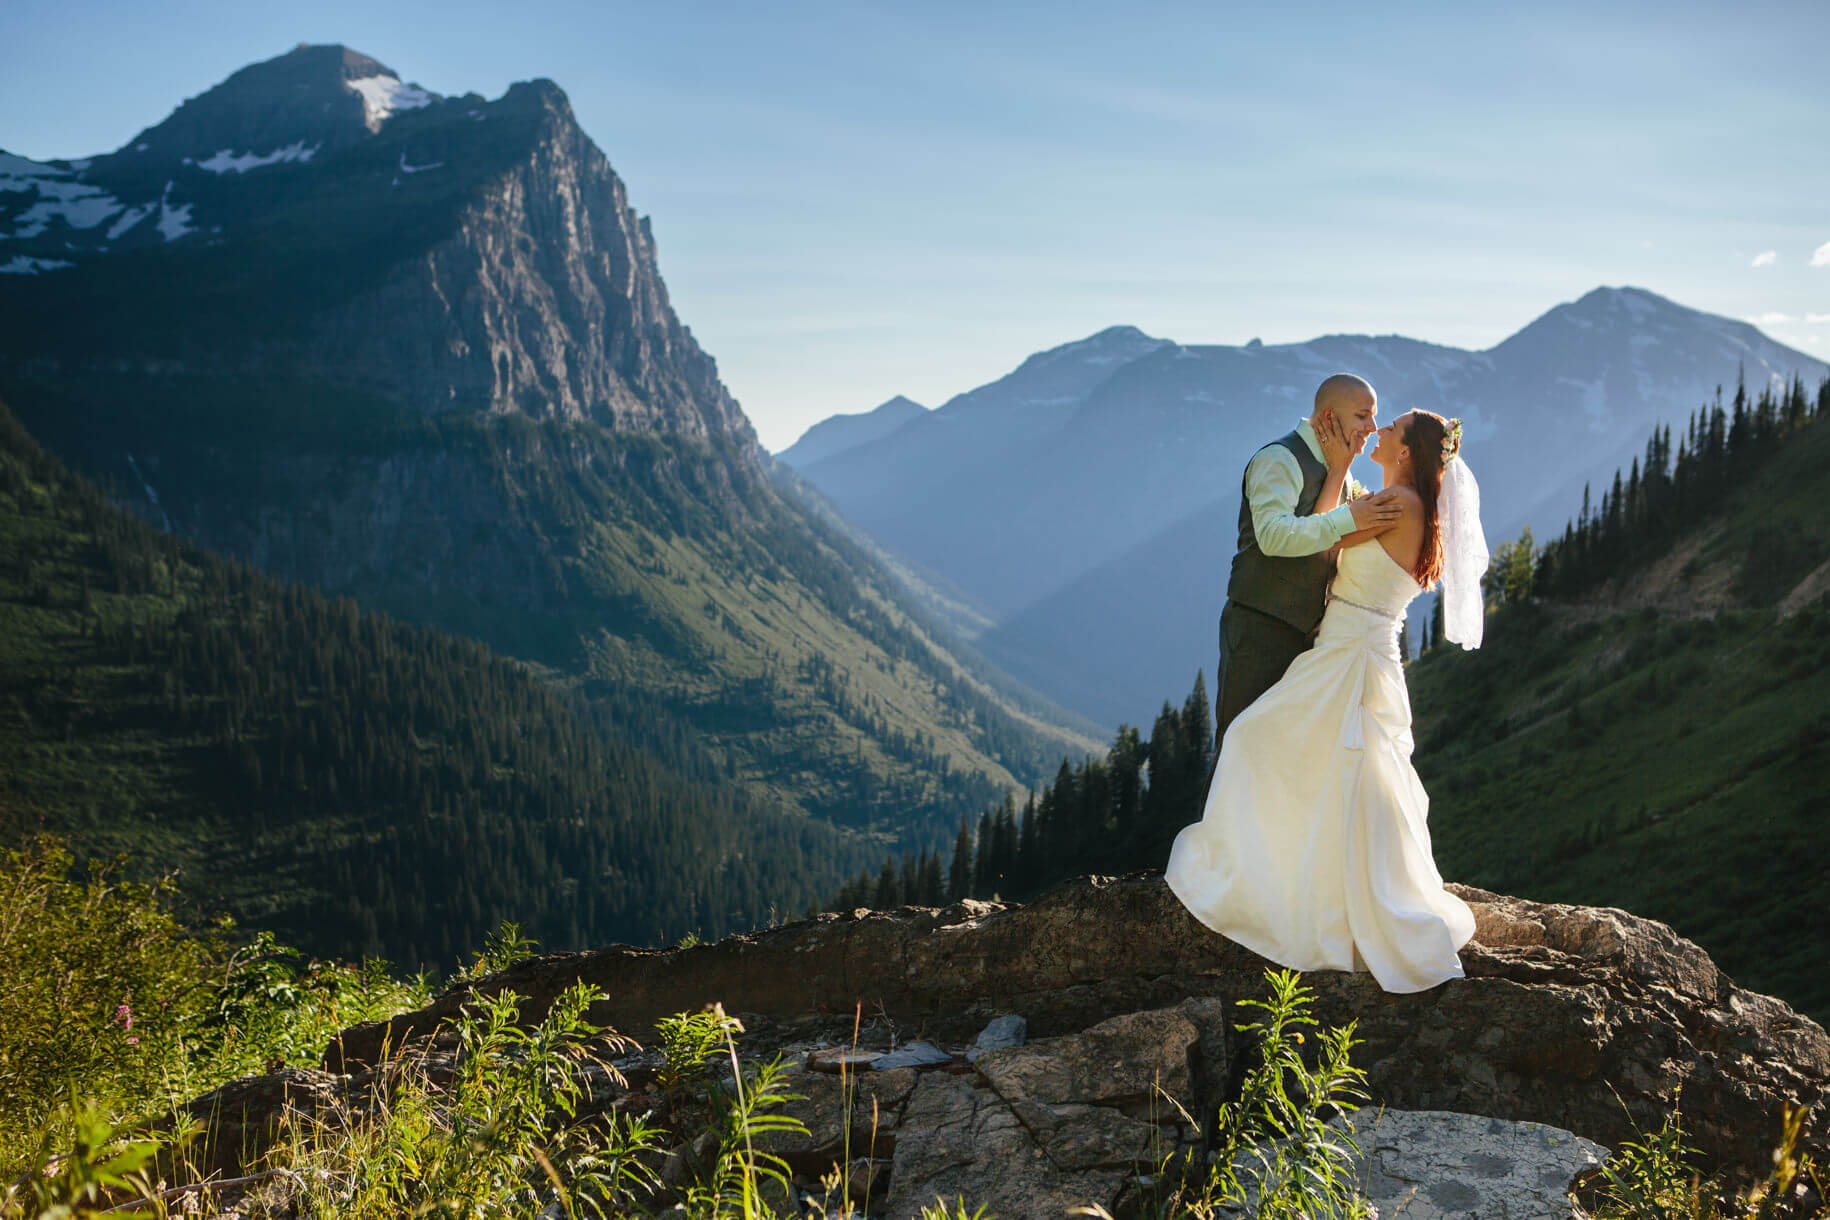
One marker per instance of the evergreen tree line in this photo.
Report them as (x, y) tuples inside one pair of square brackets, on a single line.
[(1653, 504), (1108, 814), (1639, 516), (408, 789)]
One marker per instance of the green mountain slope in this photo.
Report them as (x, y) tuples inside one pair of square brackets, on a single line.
[(632, 568), (1658, 736), (358, 785)]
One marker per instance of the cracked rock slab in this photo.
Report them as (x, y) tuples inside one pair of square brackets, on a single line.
[(960, 1141), (860, 1112), (1109, 1097), (1437, 1165)]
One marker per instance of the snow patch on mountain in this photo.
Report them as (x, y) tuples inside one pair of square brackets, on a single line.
[(415, 169), (385, 96), (174, 219), (129, 218), (80, 205), (228, 160), (26, 265)]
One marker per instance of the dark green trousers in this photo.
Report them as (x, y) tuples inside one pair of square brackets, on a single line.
[(1255, 649)]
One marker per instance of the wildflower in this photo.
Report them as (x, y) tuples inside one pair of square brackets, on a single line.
[(123, 1016)]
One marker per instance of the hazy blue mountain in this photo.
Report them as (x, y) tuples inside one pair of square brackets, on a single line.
[(1088, 531), (968, 436), (838, 433)]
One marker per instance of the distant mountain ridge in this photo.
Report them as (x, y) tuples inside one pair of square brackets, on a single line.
[(1095, 531), (837, 433)]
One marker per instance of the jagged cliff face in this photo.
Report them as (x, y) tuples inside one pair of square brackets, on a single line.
[(547, 299)]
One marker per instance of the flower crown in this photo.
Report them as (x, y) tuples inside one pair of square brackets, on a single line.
[(1451, 441)]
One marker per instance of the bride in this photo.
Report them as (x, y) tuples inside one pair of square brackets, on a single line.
[(1313, 849)]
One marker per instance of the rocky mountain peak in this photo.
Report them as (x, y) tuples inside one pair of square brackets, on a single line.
[(318, 97), (1609, 308), (1113, 341), (476, 255)]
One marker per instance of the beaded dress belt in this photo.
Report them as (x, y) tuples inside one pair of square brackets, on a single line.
[(1358, 606)]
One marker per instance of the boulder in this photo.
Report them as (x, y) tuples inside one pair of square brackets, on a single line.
[(242, 1119), (962, 1142), (1435, 1165)]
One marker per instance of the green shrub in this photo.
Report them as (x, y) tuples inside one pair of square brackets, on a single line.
[(106, 996), (1653, 1178), (1275, 1155), (100, 990)]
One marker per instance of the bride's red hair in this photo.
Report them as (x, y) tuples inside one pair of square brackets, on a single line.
[(1424, 439)]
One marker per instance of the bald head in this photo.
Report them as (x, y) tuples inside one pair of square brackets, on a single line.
[(1350, 401), (1343, 393)]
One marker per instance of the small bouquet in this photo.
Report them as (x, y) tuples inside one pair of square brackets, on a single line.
[(1352, 489)]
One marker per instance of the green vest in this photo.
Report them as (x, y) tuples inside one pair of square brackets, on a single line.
[(1291, 588)]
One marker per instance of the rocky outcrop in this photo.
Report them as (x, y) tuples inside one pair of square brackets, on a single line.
[(1589, 1020)]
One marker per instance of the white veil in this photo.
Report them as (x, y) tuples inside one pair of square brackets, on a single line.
[(1464, 555)]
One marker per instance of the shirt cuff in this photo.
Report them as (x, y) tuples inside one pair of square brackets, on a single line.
[(1340, 520)]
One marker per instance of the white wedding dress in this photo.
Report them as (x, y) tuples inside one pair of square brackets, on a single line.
[(1314, 850)]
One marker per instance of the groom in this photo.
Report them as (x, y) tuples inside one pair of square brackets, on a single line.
[(1279, 586)]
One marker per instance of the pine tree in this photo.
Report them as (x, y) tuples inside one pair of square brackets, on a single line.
[(1197, 732), (985, 867)]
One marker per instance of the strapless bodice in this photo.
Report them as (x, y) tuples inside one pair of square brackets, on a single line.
[(1371, 578)]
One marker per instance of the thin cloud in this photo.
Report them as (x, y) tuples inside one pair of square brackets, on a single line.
[(1770, 318), (1766, 258), (1821, 256), (1817, 318)]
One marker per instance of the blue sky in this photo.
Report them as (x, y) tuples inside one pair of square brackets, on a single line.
[(854, 201)]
